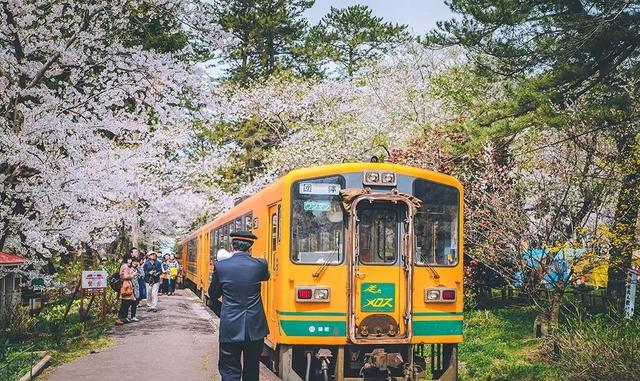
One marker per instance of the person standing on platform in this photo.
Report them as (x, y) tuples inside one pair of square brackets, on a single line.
[(139, 287), (152, 271), (243, 325), (174, 269), (164, 278), (127, 292)]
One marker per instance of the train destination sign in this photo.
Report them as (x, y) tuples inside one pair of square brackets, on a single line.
[(326, 189), (377, 297), (317, 206)]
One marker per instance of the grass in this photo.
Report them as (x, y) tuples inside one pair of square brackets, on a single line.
[(65, 340), (90, 342), (499, 346), (20, 364)]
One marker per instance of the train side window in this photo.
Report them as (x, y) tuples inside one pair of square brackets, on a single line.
[(248, 221), (279, 222), (274, 231), (238, 224), (191, 256), (214, 245), (225, 237)]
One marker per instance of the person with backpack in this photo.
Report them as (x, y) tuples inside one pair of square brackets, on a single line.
[(152, 270), (127, 292)]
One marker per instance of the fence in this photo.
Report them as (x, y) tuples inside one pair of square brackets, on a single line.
[(15, 365), (594, 300)]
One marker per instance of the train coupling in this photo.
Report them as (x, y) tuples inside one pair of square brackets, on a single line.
[(379, 359), (324, 356)]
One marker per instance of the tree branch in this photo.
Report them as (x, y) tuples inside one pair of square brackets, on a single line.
[(84, 25)]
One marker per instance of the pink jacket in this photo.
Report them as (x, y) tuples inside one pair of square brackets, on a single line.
[(126, 274)]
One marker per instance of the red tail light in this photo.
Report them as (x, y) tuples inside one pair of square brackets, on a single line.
[(448, 295), (305, 293)]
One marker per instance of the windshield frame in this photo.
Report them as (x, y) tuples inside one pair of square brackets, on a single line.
[(342, 247)]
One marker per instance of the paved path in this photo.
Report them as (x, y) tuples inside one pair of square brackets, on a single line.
[(178, 343)]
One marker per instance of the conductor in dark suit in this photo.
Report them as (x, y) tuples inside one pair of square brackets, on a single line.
[(243, 325)]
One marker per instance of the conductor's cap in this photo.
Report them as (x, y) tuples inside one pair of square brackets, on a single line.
[(243, 236)]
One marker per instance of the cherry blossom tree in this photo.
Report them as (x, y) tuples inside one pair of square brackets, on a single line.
[(337, 120), (89, 120), (542, 221)]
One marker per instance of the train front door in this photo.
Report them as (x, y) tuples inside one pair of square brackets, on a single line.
[(380, 272)]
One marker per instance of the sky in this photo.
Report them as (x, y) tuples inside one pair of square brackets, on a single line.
[(419, 15)]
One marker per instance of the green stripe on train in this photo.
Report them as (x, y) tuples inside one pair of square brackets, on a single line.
[(296, 313), (437, 327), (313, 328), (339, 328), (438, 314)]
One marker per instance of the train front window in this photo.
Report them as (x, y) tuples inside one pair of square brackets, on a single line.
[(317, 227), (377, 235), (436, 224)]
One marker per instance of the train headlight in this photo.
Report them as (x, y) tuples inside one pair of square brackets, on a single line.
[(440, 295), (313, 294), (371, 178), (321, 294), (389, 179), (380, 178), (433, 295)]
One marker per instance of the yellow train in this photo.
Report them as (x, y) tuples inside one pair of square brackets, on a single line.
[(366, 270)]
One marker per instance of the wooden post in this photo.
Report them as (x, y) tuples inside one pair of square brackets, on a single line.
[(73, 297), (86, 314), (104, 304), (81, 311)]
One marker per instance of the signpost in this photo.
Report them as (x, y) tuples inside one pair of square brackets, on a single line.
[(93, 284), (92, 280), (630, 297)]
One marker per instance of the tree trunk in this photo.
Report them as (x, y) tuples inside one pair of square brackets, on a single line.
[(623, 239), (554, 307)]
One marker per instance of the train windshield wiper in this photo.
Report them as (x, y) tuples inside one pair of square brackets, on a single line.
[(328, 260), (433, 270)]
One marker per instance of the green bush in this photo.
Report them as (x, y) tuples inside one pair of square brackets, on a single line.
[(600, 349), (15, 322)]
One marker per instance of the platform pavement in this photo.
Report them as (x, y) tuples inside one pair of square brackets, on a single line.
[(177, 343)]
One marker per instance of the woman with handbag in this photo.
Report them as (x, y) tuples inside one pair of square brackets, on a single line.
[(127, 296)]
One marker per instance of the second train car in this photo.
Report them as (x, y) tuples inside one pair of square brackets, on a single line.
[(366, 270)]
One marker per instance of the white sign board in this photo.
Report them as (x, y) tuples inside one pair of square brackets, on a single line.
[(94, 279), (314, 188), (630, 297)]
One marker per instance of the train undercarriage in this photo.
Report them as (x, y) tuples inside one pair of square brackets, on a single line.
[(363, 362)]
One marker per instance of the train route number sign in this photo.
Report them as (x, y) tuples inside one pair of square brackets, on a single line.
[(325, 189)]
